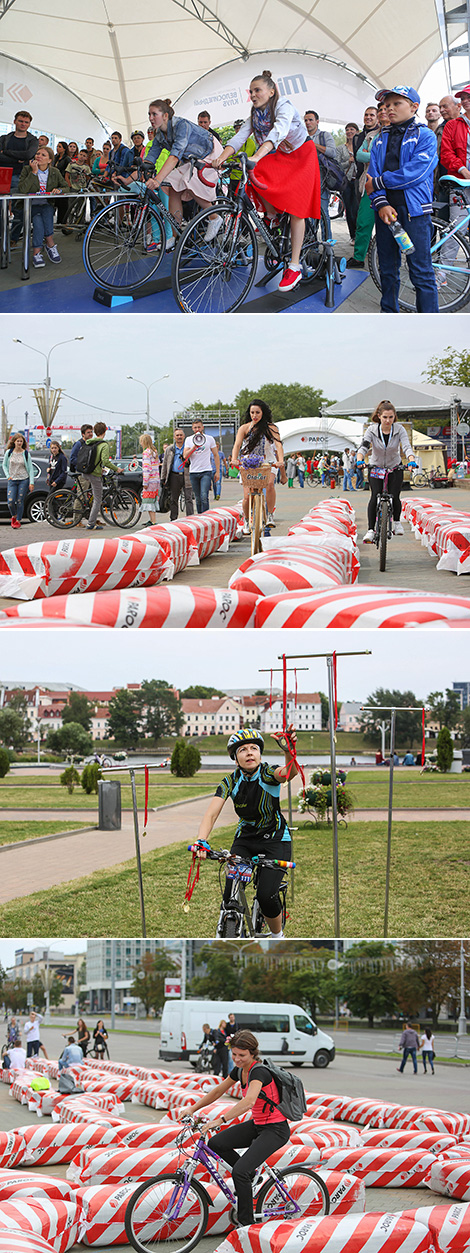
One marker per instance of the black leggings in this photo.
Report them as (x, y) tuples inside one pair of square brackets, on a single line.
[(262, 1141), (395, 483), (220, 1061), (269, 880)]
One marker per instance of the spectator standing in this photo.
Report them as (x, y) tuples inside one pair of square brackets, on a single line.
[(359, 474), (17, 149), (365, 213), (94, 477), (31, 1030), (57, 468), (199, 449), (300, 462), (433, 116), (41, 177), (77, 172), (348, 462), (175, 472), (86, 433), (100, 1037), (346, 159), (13, 1033), (83, 1036), (150, 476), (100, 163), (204, 120), (119, 157), (455, 155), (71, 1055), (91, 151), (290, 471), (326, 146), (18, 469), (220, 1059), (409, 1043), (427, 1049), (400, 186), (61, 161)]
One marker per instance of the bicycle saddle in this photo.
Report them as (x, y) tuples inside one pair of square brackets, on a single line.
[(452, 178)]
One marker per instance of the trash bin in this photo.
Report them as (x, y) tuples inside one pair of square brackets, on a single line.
[(109, 805)]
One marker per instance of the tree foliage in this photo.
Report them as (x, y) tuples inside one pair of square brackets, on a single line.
[(408, 726), (199, 692), (445, 707), (286, 400), (78, 709), (367, 988), (161, 712), (124, 718), (71, 738), (436, 970), (12, 729), (90, 777), (228, 977), (451, 368), (185, 760), (69, 778), (4, 762), (445, 750), (149, 980)]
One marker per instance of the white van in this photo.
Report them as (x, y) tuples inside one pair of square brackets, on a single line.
[(284, 1032)]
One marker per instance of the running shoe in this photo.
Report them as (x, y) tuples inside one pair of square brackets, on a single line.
[(290, 279), (54, 254), (368, 537), (213, 228), (38, 261), (398, 529)]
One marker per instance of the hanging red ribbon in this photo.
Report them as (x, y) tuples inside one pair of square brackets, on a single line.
[(146, 787), (295, 681), (423, 750), (190, 886), (284, 692), (335, 689)]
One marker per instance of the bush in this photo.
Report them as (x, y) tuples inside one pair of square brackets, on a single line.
[(90, 776), (69, 778), (4, 762), (186, 760), (445, 750)]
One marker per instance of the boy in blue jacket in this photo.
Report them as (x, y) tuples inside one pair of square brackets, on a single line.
[(400, 186)]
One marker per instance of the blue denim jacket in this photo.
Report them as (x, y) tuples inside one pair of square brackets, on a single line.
[(183, 138)]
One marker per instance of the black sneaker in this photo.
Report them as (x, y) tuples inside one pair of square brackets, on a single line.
[(352, 264)]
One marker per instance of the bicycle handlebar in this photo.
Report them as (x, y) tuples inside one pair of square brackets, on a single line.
[(224, 855)]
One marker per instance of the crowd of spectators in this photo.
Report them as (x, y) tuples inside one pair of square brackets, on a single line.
[(387, 169)]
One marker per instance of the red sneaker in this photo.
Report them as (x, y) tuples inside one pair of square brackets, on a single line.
[(15, 523), (289, 280)]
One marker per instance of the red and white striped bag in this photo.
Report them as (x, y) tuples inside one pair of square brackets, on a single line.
[(360, 1110), (451, 1178), (296, 1155), (12, 1148), (209, 533), (361, 607), (82, 564), (231, 519), (118, 1165), (387, 1168), (424, 1119), (26, 1184), (43, 1066), (430, 1140), (182, 547), (108, 1102), (59, 1222), (272, 576), (156, 1095), (23, 1242), (61, 1142), (449, 1225), (353, 1233), (318, 1134), (104, 1211), (167, 607), (150, 1135), (323, 1105)]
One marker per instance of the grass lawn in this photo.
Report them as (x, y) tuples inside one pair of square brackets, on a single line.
[(57, 797), (14, 832), (165, 779), (429, 888), (411, 790)]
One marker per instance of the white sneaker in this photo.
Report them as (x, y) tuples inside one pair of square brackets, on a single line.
[(213, 228), (271, 521), (398, 529), (368, 537), (170, 243), (246, 529)]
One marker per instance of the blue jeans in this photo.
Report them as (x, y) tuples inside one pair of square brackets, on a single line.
[(409, 1053), (301, 476), (201, 484), (359, 478), (347, 482), (419, 263), (325, 201), (17, 491), (43, 222)]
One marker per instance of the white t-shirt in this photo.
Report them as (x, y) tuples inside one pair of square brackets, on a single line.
[(200, 460), (17, 1058), (31, 1029)]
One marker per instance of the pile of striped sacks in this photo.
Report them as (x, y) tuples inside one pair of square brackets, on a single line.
[(355, 1143), (444, 531)]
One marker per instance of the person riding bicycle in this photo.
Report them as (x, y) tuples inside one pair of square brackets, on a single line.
[(383, 440), (288, 178), (183, 140), (259, 435), (254, 788), (263, 1133)]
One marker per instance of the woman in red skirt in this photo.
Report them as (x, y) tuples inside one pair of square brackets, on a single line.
[(287, 179)]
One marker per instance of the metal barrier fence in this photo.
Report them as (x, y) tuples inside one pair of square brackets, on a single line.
[(59, 195)]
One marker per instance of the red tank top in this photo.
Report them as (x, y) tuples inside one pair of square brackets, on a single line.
[(262, 1112)]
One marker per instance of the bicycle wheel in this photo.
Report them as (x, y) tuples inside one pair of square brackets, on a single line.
[(452, 271), (336, 205), (64, 508), (383, 537), (215, 277), (308, 1195), (158, 1217), (419, 480), (311, 252), (116, 245), (121, 507), (257, 516)]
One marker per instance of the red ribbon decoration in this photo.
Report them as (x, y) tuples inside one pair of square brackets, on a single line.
[(191, 886), (295, 681), (146, 785), (423, 750), (284, 692)]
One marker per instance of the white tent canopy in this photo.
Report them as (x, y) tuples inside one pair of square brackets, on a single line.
[(325, 434), (406, 397), (117, 57)]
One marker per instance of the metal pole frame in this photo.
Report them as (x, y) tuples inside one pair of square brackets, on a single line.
[(284, 670), (132, 770)]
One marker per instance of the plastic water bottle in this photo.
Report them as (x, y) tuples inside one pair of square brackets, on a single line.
[(403, 240)]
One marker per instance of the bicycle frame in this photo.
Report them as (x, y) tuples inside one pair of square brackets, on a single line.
[(202, 1155), (383, 499)]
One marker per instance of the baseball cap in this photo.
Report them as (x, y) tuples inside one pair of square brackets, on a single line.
[(464, 91), (408, 92)]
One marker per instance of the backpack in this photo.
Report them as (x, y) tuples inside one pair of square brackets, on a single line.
[(292, 1101), (67, 1086), (332, 176), (86, 458)]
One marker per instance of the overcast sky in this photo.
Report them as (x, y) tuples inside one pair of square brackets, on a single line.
[(405, 660), (8, 947), (208, 358)]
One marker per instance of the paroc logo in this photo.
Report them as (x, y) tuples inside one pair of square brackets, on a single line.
[(20, 93)]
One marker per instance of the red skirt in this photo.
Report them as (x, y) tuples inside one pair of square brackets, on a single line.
[(290, 181)]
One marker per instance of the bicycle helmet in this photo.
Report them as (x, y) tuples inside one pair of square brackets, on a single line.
[(247, 735)]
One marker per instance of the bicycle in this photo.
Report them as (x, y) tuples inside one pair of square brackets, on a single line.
[(450, 252), (216, 276), (67, 507), (171, 1211), (257, 479), (203, 1065), (236, 918), (422, 478), (125, 243)]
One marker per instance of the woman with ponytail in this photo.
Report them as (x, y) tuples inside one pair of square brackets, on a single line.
[(287, 177), (182, 139)]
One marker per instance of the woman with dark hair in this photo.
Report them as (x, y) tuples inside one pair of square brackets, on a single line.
[(384, 440), (259, 435), (57, 468), (263, 1133), (61, 161), (73, 150), (183, 139), (100, 1036), (288, 180), (83, 1036), (18, 469), (427, 1049)]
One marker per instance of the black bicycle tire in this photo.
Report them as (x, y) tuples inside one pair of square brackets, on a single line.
[(294, 1170), (383, 537), (118, 494), (419, 480), (315, 270), (150, 1183), (257, 514), (405, 306), (69, 497), (96, 222), (178, 261)]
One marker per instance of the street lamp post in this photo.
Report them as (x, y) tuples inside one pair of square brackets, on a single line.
[(148, 388), (47, 357), (462, 1030)]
